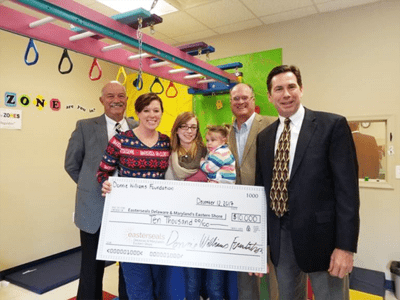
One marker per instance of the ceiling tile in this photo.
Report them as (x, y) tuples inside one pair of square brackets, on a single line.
[(219, 13), (185, 4), (158, 35), (178, 24), (103, 9), (169, 41), (270, 7), (195, 37), (289, 15), (341, 4), (323, 1), (238, 26)]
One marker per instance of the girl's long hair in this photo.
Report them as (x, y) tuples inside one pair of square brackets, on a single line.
[(182, 119)]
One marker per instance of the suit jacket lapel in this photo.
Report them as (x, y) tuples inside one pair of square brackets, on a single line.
[(232, 143), (306, 132), (131, 123), (270, 150), (101, 131), (252, 136)]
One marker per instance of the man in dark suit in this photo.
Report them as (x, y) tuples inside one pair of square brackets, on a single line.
[(313, 224), (242, 143), (84, 153)]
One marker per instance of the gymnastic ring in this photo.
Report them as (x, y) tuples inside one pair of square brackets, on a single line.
[(138, 82), (157, 80), (32, 45), (95, 63), (121, 70), (171, 85), (63, 56)]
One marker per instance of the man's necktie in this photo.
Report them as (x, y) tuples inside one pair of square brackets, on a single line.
[(280, 176), (117, 127)]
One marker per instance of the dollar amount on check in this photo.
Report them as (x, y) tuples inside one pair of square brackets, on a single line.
[(188, 224)]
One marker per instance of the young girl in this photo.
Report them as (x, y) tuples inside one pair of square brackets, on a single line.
[(219, 164)]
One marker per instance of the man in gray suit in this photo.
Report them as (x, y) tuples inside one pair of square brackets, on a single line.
[(84, 153), (242, 142)]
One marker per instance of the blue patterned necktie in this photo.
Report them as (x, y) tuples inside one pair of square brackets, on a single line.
[(280, 175)]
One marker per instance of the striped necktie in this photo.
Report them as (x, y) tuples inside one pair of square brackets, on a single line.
[(280, 176), (117, 127)]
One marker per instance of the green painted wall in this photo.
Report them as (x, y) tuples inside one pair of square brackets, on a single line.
[(215, 109)]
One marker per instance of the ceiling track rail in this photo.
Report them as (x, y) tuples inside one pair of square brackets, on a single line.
[(79, 15)]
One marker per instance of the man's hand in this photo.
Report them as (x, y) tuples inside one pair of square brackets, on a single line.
[(341, 263)]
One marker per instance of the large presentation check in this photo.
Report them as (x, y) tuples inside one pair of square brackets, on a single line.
[(188, 224)]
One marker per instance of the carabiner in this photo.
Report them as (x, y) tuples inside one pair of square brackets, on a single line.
[(171, 85), (65, 55), (121, 70), (138, 82), (95, 63), (156, 80), (32, 45)]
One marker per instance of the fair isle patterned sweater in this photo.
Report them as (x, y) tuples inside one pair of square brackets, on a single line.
[(219, 165), (127, 154)]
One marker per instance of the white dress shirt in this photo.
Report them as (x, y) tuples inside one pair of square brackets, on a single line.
[(296, 121), (111, 126)]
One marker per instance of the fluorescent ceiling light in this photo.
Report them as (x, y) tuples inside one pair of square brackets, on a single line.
[(161, 8)]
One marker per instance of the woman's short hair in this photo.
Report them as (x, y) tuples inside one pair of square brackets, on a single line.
[(144, 100)]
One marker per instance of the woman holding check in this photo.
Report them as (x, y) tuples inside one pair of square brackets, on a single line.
[(129, 154)]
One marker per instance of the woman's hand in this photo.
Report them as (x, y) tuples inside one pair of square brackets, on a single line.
[(106, 188), (202, 160)]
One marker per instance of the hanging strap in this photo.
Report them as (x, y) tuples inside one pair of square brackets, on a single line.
[(121, 71), (65, 55), (95, 63), (157, 81), (171, 86), (32, 45)]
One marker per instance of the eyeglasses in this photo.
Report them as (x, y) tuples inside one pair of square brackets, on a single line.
[(244, 98), (186, 127)]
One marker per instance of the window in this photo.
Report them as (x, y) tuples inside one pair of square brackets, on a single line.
[(373, 140)]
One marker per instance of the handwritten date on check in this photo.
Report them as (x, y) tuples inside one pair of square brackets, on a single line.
[(187, 224)]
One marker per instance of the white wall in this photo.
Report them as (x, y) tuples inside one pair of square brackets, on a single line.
[(350, 63), (37, 196)]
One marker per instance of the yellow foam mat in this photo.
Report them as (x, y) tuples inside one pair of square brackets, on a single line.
[(356, 295)]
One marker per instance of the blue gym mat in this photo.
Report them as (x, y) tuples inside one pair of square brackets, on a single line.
[(48, 275), (52, 273)]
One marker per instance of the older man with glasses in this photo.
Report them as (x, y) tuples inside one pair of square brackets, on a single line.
[(242, 142)]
